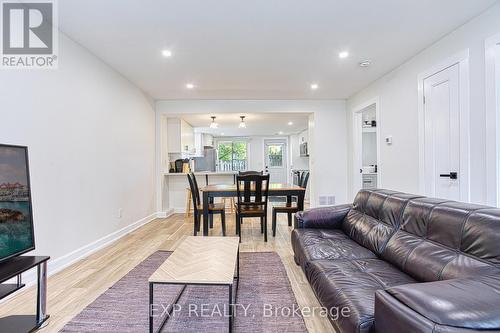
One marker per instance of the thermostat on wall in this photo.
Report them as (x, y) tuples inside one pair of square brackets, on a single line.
[(388, 140)]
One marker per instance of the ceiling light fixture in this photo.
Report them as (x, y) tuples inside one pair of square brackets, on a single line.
[(190, 86), (280, 132), (242, 123), (222, 134), (365, 63), (213, 124), (314, 86), (166, 53), (290, 123), (343, 54)]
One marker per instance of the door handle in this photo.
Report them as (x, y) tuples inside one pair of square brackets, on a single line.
[(451, 175)]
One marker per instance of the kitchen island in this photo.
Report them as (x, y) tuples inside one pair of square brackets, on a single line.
[(175, 185)]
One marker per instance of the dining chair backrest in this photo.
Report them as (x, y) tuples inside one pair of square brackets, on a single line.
[(252, 190), (195, 193), (304, 179), (246, 173)]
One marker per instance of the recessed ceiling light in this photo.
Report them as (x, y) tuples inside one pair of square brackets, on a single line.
[(280, 132), (166, 53), (314, 86), (222, 134), (190, 85), (365, 63), (343, 54), (290, 123)]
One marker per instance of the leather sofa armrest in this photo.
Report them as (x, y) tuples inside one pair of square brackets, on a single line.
[(457, 305), (323, 217)]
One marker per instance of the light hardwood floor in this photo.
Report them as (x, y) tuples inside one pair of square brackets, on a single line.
[(72, 289)]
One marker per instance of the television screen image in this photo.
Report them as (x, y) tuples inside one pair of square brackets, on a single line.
[(16, 219)]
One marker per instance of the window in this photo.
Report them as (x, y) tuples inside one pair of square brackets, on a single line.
[(232, 155), (275, 155)]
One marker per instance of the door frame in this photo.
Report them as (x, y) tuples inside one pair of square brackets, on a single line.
[(287, 154), (462, 60), (357, 143), (492, 122)]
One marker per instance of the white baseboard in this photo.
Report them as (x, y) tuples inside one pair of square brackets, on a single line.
[(67, 260), (165, 214)]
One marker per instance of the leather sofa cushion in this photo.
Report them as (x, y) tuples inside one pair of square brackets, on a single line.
[(441, 240), (472, 303), (314, 244), (375, 217), (352, 284)]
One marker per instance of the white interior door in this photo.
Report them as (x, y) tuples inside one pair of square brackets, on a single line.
[(442, 134), (275, 155)]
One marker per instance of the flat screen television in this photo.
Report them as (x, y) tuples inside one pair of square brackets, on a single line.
[(16, 218)]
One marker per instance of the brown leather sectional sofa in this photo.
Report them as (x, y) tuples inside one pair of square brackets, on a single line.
[(402, 263)]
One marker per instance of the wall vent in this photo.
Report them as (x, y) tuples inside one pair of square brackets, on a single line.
[(326, 200)]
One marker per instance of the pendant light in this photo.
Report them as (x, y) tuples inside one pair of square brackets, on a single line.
[(213, 124), (242, 123)]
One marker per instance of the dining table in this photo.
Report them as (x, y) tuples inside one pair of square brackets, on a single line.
[(229, 191)]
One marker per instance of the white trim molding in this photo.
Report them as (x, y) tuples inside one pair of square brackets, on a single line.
[(356, 141), (462, 59), (492, 122)]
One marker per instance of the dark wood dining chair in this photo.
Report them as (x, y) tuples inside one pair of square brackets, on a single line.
[(213, 208), (253, 193), (290, 207)]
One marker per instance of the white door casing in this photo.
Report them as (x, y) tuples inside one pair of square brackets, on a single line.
[(442, 134), (276, 167), (357, 152), (357, 136)]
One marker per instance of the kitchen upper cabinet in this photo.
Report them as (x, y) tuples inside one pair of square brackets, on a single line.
[(208, 140), (303, 136), (201, 140), (180, 136)]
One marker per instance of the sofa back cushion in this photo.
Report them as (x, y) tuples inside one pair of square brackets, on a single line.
[(441, 239), (375, 217)]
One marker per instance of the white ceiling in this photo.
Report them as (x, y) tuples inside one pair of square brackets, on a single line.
[(257, 123), (259, 49)]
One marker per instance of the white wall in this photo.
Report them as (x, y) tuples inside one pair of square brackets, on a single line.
[(399, 106), (497, 75), (90, 134), (327, 135)]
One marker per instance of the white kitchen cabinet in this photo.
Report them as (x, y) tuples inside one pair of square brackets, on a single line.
[(201, 140), (208, 140), (303, 136), (180, 136)]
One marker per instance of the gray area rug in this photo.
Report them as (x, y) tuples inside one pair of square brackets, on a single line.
[(265, 302)]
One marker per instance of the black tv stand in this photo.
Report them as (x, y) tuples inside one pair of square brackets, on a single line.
[(13, 268)]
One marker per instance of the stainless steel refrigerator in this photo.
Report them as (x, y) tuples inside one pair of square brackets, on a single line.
[(208, 161)]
